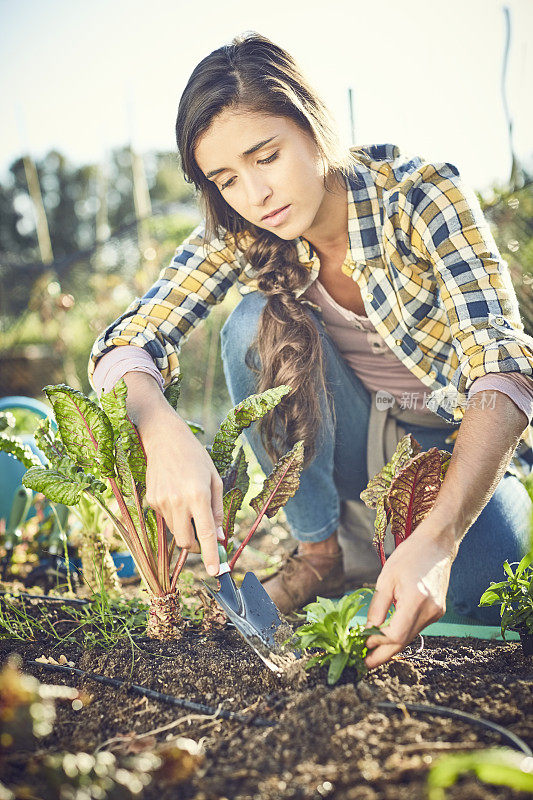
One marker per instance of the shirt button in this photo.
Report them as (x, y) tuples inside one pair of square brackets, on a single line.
[(370, 297), (398, 342), (432, 374), (499, 321)]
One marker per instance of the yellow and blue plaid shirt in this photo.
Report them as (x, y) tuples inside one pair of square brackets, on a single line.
[(431, 277)]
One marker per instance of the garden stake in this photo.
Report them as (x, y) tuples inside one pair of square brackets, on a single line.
[(200, 708), (250, 609)]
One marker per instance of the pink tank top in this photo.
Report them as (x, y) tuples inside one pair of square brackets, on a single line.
[(366, 352)]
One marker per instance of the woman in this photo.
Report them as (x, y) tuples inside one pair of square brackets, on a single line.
[(359, 271)]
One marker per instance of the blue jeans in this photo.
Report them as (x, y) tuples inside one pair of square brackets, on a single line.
[(338, 471)]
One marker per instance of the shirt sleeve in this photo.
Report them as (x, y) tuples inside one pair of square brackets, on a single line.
[(450, 233), (113, 365), (518, 387), (197, 278)]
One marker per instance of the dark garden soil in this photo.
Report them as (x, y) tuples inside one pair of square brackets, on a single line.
[(326, 742)]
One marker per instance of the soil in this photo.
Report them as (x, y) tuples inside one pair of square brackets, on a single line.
[(326, 741)]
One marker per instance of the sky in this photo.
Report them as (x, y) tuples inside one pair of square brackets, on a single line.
[(86, 77)]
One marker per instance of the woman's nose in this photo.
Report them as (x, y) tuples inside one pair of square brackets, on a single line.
[(258, 190)]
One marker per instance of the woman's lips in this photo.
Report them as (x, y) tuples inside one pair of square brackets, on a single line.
[(278, 218)]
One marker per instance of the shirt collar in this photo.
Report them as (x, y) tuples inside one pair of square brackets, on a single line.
[(364, 225)]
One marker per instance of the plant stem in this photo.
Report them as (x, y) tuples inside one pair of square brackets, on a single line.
[(162, 554), (179, 566), (134, 544), (247, 538), (144, 535)]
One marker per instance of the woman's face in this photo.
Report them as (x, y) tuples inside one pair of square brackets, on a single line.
[(267, 169)]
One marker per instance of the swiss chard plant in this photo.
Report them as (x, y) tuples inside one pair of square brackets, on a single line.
[(331, 630), (405, 490), (96, 444), (514, 596)]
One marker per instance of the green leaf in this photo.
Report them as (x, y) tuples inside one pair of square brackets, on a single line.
[(250, 410), (282, 483), (132, 457), (498, 766), (489, 598), (22, 452), (56, 486), (232, 501), (48, 443), (237, 474), (151, 527), (172, 392), (84, 428), (337, 666)]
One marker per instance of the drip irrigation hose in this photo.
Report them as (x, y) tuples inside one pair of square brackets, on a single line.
[(189, 705), (444, 711)]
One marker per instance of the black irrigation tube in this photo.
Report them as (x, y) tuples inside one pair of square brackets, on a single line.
[(45, 597), (443, 711), (199, 708)]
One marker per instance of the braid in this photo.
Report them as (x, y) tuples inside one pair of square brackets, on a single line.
[(288, 346)]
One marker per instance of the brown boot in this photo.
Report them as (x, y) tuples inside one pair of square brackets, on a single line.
[(303, 576)]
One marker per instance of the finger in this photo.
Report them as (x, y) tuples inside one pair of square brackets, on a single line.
[(183, 531), (206, 534), (382, 654), (379, 607), (405, 623), (217, 505)]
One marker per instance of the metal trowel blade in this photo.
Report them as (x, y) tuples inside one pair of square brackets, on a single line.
[(252, 612)]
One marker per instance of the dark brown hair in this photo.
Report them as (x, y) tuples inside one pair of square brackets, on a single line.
[(253, 74)]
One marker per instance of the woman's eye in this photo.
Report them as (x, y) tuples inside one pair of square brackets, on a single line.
[(269, 159), (228, 183)]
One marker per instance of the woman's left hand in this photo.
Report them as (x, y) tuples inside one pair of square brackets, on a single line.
[(415, 578)]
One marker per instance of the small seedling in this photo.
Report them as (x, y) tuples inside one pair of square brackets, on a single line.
[(514, 596), (332, 630)]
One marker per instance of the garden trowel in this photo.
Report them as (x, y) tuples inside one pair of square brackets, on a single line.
[(250, 609)]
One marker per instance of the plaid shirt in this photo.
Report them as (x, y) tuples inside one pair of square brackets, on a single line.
[(432, 280)]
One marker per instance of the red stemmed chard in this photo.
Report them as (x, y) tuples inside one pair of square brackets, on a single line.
[(405, 490)]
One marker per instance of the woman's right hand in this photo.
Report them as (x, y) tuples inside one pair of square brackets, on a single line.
[(182, 483)]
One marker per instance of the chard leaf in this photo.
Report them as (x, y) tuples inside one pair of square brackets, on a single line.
[(237, 474), (379, 485), (151, 527), (16, 448), (58, 487), (250, 410), (132, 456), (232, 501), (413, 492), (84, 428), (282, 483), (172, 392), (51, 445), (375, 494)]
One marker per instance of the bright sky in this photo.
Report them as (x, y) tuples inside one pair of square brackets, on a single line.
[(85, 77)]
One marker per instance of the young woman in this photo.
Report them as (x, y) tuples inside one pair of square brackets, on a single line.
[(367, 278)]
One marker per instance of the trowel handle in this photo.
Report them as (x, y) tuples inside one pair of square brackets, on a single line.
[(223, 557)]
